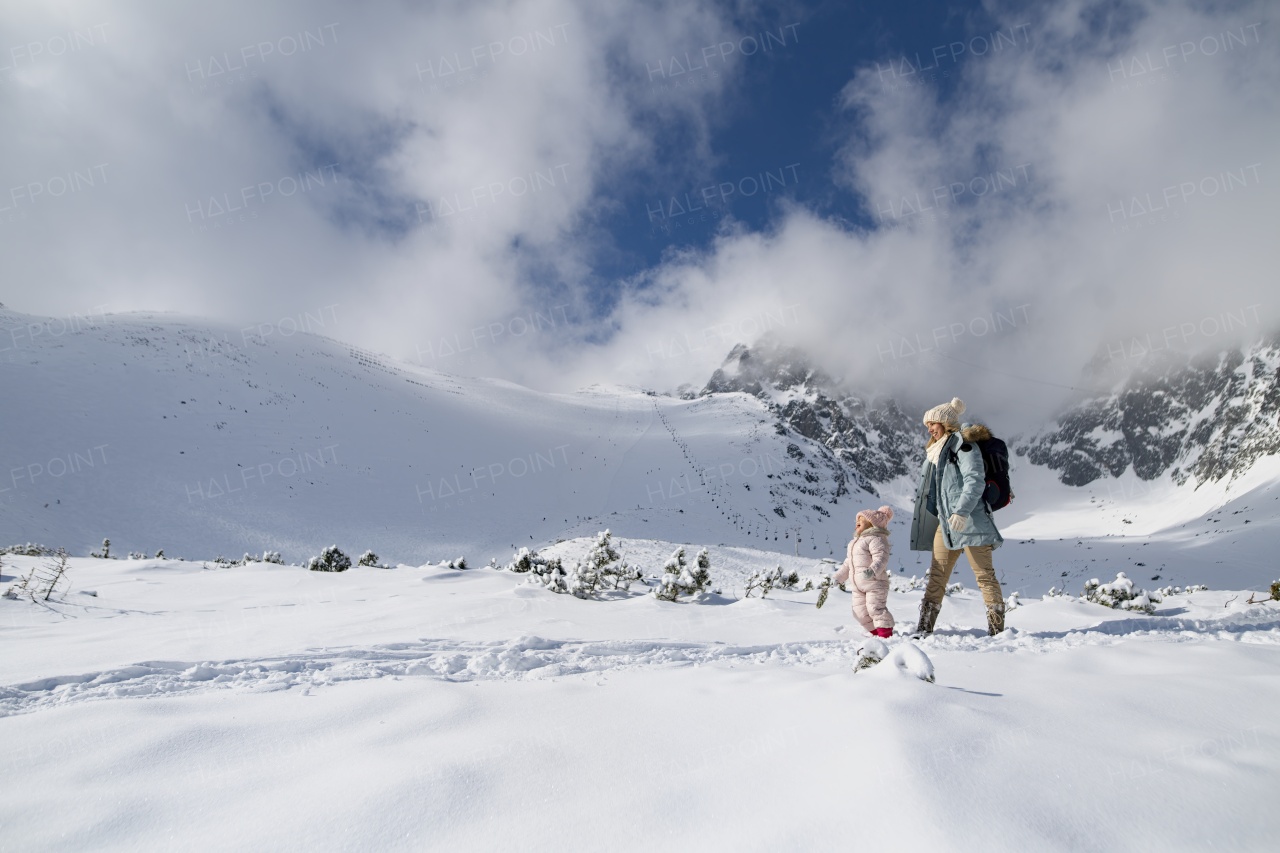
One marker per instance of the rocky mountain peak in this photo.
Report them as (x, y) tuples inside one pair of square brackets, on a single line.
[(1204, 418), (871, 440), (1209, 417)]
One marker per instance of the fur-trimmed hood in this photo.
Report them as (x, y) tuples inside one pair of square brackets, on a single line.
[(969, 432)]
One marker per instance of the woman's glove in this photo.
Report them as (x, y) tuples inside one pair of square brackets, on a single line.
[(959, 523)]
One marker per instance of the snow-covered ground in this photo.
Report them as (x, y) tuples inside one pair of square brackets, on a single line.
[(164, 704), (189, 705)]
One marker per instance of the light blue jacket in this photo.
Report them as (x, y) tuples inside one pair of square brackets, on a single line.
[(954, 486)]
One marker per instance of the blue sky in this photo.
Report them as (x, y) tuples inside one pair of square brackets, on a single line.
[(887, 185), (779, 126)]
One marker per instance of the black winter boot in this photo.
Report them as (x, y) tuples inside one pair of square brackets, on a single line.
[(995, 620), (928, 616)]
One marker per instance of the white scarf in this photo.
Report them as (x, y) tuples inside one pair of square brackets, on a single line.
[(934, 451)]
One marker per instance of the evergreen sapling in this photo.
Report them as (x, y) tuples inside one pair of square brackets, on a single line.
[(678, 578)]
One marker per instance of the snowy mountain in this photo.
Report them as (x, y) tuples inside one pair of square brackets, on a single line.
[(160, 432), (1169, 424), (871, 441), (1207, 419)]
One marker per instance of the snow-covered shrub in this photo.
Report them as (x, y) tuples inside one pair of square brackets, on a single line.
[(546, 571), (368, 558), (1275, 591), (137, 555), (679, 579), (455, 563), (602, 568), (550, 574), (331, 559), (913, 584), (30, 549), (1159, 594), (766, 580), (821, 580), (160, 555), (872, 652), (910, 584), (105, 553), (1120, 594), (266, 557), (1011, 602), (522, 561)]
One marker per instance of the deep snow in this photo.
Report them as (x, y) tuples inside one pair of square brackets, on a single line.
[(431, 708)]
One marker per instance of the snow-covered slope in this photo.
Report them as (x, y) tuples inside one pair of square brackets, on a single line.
[(164, 433)]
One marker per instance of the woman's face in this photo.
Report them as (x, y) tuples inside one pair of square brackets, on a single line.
[(936, 430)]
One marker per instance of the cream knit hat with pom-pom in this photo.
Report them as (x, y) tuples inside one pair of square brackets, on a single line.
[(947, 413)]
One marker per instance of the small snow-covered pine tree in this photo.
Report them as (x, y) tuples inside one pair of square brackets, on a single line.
[(546, 571), (587, 575), (331, 559), (602, 568), (766, 579), (368, 558), (678, 579), (30, 549), (760, 579), (522, 561), (1120, 594)]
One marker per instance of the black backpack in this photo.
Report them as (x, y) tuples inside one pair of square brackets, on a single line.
[(995, 458)]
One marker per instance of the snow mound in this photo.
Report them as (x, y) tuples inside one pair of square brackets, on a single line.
[(904, 660)]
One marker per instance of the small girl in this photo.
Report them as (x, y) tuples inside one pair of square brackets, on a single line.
[(867, 569)]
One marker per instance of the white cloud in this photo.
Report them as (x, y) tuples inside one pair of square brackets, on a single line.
[(1026, 168), (417, 167), (1060, 139)]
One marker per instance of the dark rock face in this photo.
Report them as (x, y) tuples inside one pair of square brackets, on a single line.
[(1211, 418), (871, 442)]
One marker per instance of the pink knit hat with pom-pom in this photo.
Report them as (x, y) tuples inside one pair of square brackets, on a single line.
[(878, 517)]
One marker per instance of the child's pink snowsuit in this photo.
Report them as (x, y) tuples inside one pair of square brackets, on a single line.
[(866, 568)]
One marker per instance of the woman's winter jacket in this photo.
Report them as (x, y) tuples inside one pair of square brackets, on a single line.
[(954, 487)]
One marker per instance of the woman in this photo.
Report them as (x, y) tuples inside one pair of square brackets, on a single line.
[(952, 480)]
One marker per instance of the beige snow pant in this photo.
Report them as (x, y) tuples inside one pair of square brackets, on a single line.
[(871, 606), (944, 560)]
